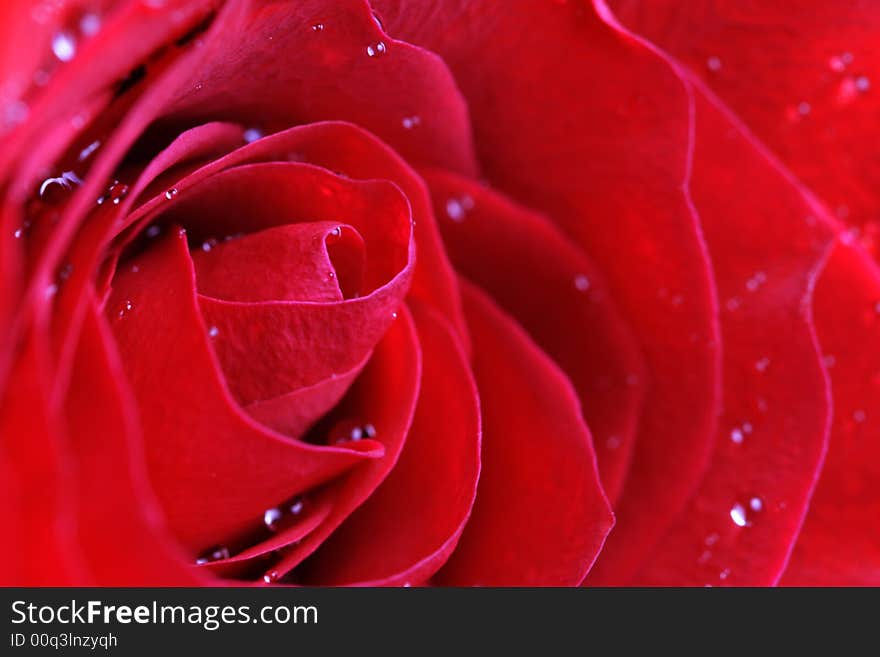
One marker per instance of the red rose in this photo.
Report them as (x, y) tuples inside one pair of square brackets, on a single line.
[(322, 293)]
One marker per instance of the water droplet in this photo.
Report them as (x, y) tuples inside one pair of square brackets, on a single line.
[(64, 46), (582, 283), (369, 431), (733, 303), (51, 189), (336, 232), (863, 83), (153, 231), (252, 134), (457, 208), (829, 361), (838, 63), (410, 122), (724, 574), (803, 108), (296, 506), (213, 332), (126, 307), (213, 554), (18, 233), (51, 290), (756, 504), (406, 585), (376, 49), (612, 442), (88, 150), (738, 515), (712, 539), (714, 63), (859, 415), (747, 427), (115, 193), (394, 315), (756, 281), (209, 244), (14, 113), (135, 269), (271, 517), (737, 436), (171, 193), (271, 576), (762, 364), (318, 27), (705, 556), (89, 24)]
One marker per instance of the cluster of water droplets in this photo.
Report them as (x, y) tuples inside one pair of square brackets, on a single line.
[(458, 207)]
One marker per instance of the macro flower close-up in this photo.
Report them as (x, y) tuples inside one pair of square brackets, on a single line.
[(439, 293)]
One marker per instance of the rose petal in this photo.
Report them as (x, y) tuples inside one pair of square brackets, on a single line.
[(408, 527), (742, 521), (839, 544), (37, 478), (385, 395), (802, 79), (541, 516), (196, 438), (119, 525), (348, 149), (538, 276), (604, 152), (334, 68)]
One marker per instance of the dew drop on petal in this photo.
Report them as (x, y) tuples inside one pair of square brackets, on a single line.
[(859, 415), (171, 193), (271, 576), (756, 504), (863, 83), (410, 122), (213, 554), (318, 27), (85, 153), (762, 364), (738, 515), (252, 134), (582, 283), (376, 49), (296, 506), (737, 436), (63, 46), (271, 517), (89, 24), (713, 63), (126, 307), (213, 332), (153, 231)]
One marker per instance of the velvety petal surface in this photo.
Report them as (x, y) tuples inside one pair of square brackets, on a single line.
[(547, 284), (541, 516)]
